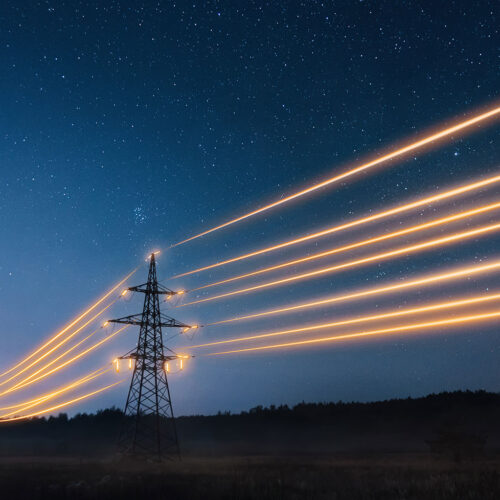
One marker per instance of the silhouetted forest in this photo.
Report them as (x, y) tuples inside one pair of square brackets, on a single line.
[(462, 424)]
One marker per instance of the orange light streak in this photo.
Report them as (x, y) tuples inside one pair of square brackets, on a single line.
[(372, 258), (357, 222), (30, 380), (352, 246), (70, 325), (59, 344), (384, 331), (466, 271), (62, 405), (36, 402), (360, 168), (40, 398), (415, 310), (55, 360)]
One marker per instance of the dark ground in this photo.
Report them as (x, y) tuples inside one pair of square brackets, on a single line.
[(444, 446), (360, 477)]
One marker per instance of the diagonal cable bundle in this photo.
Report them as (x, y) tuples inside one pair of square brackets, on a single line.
[(358, 244), (63, 404), (42, 373), (412, 327), (391, 287), (396, 153), (480, 299), (65, 339), (427, 200), (61, 332), (19, 408), (350, 264)]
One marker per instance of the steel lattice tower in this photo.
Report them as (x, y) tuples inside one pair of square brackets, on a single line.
[(149, 425)]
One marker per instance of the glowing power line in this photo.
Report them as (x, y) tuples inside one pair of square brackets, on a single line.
[(437, 278), (30, 380), (362, 319), (61, 405), (48, 364), (43, 397), (412, 326), (70, 325), (358, 244), (26, 405), (357, 222), (59, 344), (372, 258), (360, 168)]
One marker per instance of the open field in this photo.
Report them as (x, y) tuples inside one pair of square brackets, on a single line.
[(396, 476), (443, 446)]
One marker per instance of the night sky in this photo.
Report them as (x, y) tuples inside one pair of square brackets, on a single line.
[(128, 126)]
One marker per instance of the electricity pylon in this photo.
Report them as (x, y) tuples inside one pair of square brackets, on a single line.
[(149, 426)]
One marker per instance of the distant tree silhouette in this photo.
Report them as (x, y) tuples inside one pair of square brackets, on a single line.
[(399, 424)]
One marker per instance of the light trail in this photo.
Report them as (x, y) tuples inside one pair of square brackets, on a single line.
[(40, 398), (59, 344), (357, 222), (384, 331), (360, 168), (402, 312), (70, 325), (55, 360), (466, 271), (359, 244), (47, 397), (372, 258), (30, 380), (62, 405)]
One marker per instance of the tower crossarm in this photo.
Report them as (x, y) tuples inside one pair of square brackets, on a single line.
[(137, 319), (165, 357), (160, 290), (169, 322), (134, 319)]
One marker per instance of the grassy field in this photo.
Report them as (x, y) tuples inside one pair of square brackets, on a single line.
[(440, 447), (383, 477)]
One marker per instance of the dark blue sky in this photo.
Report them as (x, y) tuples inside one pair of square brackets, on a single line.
[(127, 126)]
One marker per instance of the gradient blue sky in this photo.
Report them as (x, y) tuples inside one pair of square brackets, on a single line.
[(126, 127)]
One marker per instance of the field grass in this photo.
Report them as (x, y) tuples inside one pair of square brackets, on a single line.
[(384, 477), (440, 447)]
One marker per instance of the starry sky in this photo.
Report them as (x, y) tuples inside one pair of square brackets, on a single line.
[(128, 126)]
